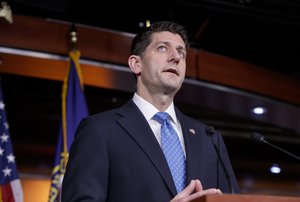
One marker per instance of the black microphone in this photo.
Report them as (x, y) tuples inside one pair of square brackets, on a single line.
[(260, 139), (210, 131)]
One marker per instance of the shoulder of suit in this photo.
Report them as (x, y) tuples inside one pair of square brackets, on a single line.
[(188, 118)]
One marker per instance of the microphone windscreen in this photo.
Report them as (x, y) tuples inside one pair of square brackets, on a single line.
[(210, 130), (257, 137)]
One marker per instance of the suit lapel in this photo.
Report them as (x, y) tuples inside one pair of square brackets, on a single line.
[(138, 128), (191, 143)]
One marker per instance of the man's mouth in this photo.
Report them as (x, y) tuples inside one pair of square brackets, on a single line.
[(174, 71)]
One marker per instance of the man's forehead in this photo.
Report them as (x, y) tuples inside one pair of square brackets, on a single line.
[(168, 37)]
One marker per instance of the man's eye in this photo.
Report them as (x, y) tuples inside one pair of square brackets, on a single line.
[(182, 54), (162, 48)]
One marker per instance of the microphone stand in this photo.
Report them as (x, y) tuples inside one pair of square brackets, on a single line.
[(259, 138), (210, 131)]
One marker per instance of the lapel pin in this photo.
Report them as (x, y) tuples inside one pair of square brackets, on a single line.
[(192, 131)]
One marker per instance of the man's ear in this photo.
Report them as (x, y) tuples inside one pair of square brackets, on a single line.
[(134, 64)]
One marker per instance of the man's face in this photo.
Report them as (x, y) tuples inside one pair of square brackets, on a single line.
[(163, 65)]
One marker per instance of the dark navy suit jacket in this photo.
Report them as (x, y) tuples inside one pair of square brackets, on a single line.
[(115, 157)]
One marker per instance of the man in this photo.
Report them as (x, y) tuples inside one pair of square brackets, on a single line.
[(119, 156)]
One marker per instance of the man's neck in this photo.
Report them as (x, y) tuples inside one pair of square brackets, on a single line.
[(160, 102)]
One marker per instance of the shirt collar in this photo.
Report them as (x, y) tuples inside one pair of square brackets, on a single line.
[(149, 110)]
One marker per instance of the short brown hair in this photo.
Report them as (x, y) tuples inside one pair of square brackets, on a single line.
[(142, 40)]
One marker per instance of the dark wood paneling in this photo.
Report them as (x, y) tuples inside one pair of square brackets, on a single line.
[(51, 69), (113, 47), (35, 34), (238, 74), (191, 63)]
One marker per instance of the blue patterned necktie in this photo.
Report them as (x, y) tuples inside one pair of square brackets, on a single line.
[(172, 150)]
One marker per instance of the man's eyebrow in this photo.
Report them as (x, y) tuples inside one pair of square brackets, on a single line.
[(168, 43), (182, 48)]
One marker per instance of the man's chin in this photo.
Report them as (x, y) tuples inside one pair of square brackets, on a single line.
[(171, 89)]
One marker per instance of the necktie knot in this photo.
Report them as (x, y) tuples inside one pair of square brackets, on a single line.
[(161, 117)]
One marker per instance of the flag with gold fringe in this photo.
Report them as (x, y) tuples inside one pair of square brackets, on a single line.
[(10, 185), (74, 108)]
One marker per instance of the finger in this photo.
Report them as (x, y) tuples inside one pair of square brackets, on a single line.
[(212, 191), (219, 191), (187, 191), (198, 186), (199, 194)]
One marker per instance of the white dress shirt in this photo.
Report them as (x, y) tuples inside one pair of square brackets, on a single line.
[(148, 110)]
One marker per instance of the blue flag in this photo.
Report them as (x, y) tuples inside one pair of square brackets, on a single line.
[(74, 108), (10, 185)]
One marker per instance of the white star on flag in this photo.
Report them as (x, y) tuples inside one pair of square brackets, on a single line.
[(1, 151), (4, 137), (6, 171), (10, 158), (2, 105), (6, 125)]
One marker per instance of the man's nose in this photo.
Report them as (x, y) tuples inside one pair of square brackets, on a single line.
[(175, 56)]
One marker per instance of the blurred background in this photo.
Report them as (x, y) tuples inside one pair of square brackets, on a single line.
[(243, 77)]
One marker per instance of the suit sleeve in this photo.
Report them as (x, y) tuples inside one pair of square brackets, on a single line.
[(86, 175)]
